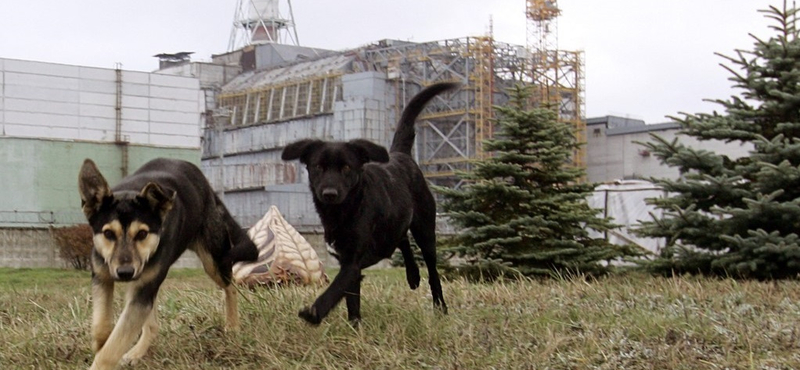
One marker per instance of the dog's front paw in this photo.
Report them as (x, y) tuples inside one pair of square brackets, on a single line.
[(130, 360), (441, 306), (310, 315), (413, 280)]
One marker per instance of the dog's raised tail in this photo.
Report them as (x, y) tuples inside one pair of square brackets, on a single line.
[(404, 135)]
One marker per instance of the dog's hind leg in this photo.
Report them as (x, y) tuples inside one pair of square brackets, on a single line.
[(412, 270), (425, 235), (139, 304), (149, 332), (223, 280), (231, 309)]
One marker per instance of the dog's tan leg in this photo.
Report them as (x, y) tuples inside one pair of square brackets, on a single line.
[(149, 333), (231, 309), (231, 303), (126, 330), (102, 312)]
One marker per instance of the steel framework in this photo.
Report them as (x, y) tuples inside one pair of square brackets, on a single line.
[(557, 74), (257, 21), (282, 101), (451, 130)]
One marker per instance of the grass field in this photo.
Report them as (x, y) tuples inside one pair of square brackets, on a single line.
[(631, 322)]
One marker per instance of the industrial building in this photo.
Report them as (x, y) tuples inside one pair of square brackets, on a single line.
[(614, 152), (235, 114), (287, 92), (294, 93), (622, 167), (53, 116)]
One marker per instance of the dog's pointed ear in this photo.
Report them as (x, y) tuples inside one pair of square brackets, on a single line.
[(369, 151), (301, 149), (157, 198), (93, 188)]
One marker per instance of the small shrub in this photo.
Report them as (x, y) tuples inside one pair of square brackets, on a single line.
[(74, 245)]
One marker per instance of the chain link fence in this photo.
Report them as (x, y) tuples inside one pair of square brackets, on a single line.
[(39, 219)]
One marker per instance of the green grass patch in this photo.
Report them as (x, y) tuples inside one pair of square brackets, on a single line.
[(633, 322), (25, 278)]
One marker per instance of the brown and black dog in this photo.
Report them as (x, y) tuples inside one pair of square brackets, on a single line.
[(141, 226), (368, 199)]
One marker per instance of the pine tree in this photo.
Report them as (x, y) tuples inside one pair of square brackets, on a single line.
[(739, 217), (523, 208)]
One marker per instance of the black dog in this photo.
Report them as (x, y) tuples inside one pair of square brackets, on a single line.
[(141, 227), (368, 200)]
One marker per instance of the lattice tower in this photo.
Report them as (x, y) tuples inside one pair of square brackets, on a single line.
[(557, 74), (261, 21)]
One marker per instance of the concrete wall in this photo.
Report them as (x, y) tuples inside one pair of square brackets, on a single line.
[(35, 248), (40, 177), (612, 152), (64, 102), (245, 163), (209, 74), (29, 248), (53, 116), (250, 175), (40, 190), (273, 55)]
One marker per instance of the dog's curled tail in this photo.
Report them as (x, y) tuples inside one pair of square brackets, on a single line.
[(404, 135)]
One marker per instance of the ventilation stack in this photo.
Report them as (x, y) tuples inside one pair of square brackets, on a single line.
[(260, 22)]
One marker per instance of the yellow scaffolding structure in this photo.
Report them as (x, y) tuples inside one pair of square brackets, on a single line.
[(452, 128), (483, 82), (557, 74)]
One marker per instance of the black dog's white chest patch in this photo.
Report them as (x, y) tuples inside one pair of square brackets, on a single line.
[(332, 250)]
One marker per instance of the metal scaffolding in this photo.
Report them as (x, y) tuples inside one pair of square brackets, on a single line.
[(452, 128), (557, 74)]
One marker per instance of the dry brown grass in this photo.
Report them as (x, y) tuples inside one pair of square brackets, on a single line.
[(631, 322)]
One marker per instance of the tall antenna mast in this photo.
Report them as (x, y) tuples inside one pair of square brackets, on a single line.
[(261, 22)]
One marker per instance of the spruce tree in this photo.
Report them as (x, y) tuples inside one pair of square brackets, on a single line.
[(523, 209), (738, 217)]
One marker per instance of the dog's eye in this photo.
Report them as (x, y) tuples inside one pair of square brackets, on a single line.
[(110, 235), (141, 235), (346, 169)]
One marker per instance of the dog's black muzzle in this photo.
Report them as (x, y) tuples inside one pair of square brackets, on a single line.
[(330, 196), (125, 273)]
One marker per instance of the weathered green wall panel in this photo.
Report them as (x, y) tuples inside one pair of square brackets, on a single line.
[(39, 178)]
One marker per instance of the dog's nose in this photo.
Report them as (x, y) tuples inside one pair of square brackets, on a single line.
[(125, 272), (329, 195)]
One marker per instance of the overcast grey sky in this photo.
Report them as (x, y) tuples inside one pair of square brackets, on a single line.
[(644, 58)]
